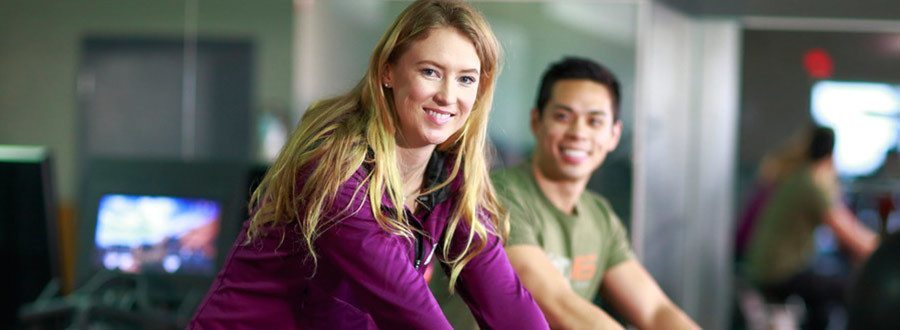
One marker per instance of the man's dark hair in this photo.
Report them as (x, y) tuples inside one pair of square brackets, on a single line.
[(578, 68), (822, 143)]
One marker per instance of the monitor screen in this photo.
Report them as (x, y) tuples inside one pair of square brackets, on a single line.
[(157, 234)]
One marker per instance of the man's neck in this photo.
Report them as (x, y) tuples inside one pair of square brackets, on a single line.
[(823, 167), (563, 194)]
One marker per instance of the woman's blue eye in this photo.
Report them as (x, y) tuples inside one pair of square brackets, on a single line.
[(468, 80), (429, 72)]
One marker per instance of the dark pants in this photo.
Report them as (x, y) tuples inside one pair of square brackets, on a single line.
[(820, 293)]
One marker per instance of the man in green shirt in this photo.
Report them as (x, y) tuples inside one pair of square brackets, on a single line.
[(566, 243), (781, 245)]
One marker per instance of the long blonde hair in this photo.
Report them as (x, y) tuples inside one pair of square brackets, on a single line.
[(336, 135)]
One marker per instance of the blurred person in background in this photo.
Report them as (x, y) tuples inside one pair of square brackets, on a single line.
[(773, 168), (781, 247)]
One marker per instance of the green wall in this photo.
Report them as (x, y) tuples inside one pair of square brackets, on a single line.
[(40, 49)]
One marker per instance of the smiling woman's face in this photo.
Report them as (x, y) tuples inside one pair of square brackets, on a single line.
[(434, 85)]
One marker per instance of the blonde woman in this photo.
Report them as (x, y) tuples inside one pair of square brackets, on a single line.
[(376, 184)]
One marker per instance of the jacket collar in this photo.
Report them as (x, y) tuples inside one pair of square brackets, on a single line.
[(435, 173)]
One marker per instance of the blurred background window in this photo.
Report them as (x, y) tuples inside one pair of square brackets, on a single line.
[(864, 116)]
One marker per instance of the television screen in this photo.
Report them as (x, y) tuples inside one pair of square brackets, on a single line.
[(157, 234)]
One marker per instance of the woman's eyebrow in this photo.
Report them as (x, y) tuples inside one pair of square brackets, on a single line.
[(443, 68)]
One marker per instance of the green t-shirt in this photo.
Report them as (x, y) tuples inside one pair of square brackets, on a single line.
[(782, 242), (581, 246)]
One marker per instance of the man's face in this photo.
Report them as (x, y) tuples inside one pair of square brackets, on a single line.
[(575, 131)]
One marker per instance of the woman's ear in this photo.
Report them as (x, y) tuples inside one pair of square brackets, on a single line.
[(387, 77)]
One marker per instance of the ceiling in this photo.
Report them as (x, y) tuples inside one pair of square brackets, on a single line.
[(846, 9)]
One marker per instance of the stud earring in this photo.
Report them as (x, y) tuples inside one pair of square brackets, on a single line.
[(386, 85)]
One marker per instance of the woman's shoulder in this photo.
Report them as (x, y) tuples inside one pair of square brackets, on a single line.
[(358, 181), (351, 197)]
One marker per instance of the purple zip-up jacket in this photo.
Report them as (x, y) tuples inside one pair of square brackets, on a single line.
[(366, 278)]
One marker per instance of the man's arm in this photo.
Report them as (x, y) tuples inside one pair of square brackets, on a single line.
[(635, 295), (850, 232), (563, 308)]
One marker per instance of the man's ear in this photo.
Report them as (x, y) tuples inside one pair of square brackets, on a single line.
[(535, 120), (616, 135)]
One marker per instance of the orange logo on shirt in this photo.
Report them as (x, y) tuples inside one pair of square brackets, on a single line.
[(584, 267)]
